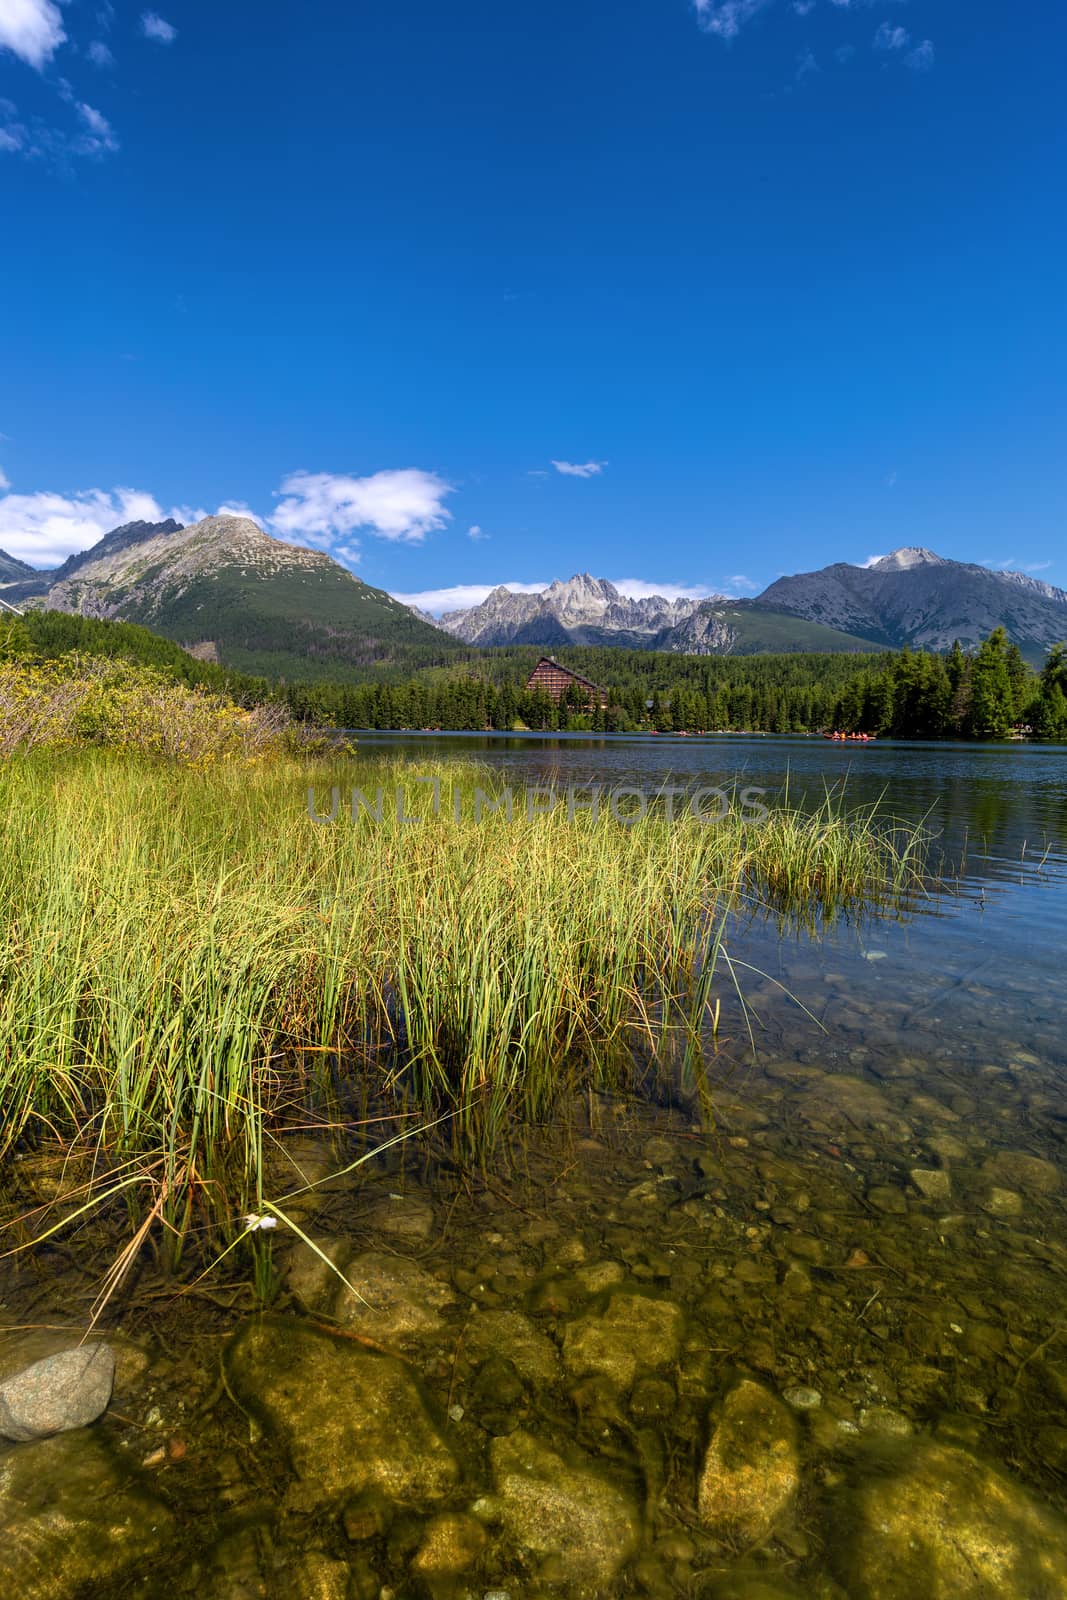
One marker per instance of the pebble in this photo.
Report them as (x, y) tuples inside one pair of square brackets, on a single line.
[(802, 1399)]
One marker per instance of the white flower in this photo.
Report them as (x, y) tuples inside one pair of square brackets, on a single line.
[(252, 1222)]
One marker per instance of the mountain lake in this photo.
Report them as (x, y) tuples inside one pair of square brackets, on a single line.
[(792, 1323)]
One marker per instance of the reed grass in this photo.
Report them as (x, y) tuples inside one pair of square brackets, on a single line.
[(190, 965)]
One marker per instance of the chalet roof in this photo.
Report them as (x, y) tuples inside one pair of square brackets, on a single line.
[(550, 661)]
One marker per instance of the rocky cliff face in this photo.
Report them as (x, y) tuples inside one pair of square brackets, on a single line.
[(584, 610), (917, 598)]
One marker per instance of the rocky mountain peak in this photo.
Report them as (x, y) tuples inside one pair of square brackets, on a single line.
[(578, 610), (907, 557)]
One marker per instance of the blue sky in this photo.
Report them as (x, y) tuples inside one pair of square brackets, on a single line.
[(686, 294)]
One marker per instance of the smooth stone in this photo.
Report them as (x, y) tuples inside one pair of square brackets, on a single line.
[(932, 1182), (1015, 1169), (802, 1399), (74, 1520), (1003, 1203), (19, 1349), (751, 1470), (887, 1199), (384, 1297), (351, 1420), (882, 1420), (562, 1514), (402, 1217), (948, 1527), (634, 1332), (61, 1392), (947, 1147)]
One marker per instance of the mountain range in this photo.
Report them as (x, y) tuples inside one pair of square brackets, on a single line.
[(911, 597), (231, 593), (585, 610)]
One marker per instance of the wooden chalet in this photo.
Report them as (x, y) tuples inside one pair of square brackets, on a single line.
[(555, 680)]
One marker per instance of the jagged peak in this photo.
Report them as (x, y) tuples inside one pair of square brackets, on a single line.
[(908, 556)]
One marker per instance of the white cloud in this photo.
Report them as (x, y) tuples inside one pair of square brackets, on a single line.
[(99, 54), (1011, 564), (11, 137), (231, 508), (871, 561), (461, 596), (101, 135), (726, 18), (154, 27), (45, 528), (320, 508), (584, 469), (803, 7), (476, 533), (921, 59), (890, 38), (5, 481), (31, 30), (641, 589), (739, 581)]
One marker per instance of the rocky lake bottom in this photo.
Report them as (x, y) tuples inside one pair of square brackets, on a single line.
[(813, 1344)]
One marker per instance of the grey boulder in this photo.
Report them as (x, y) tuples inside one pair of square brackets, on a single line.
[(64, 1391)]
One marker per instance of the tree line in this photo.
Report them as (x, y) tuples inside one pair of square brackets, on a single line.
[(982, 694)]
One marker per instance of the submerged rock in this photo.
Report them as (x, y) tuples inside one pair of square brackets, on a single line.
[(387, 1298), (1003, 1203), (61, 1392), (452, 1543), (568, 1516), (532, 1354), (351, 1420), (634, 1332), (1015, 1169), (403, 1216), (933, 1182), (751, 1470), (73, 1521), (947, 1527)]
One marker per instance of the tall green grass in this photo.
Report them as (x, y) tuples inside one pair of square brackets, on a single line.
[(189, 964)]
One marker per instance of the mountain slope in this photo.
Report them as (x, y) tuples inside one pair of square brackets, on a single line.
[(920, 599), (584, 610), (746, 628), (12, 570), (227, 590)]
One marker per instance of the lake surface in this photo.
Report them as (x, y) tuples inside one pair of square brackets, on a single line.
[(997, 814), (787, 1322)]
